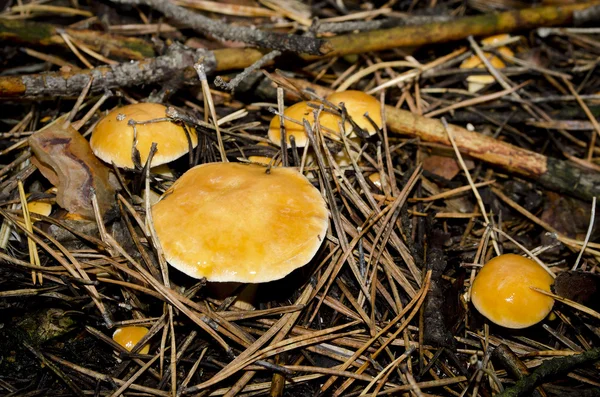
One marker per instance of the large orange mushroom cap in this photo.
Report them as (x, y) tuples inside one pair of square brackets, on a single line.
[(240, 223), (502, 291), (112, 138)]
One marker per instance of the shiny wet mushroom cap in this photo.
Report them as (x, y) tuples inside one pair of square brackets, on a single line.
[(240, 223), (128, 337), (502, 291), (112, 138)]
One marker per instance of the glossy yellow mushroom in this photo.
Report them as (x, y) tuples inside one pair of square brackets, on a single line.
[(502, 291), (296, 112), (128, 337)]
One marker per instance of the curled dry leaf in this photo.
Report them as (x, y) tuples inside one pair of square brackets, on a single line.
[(64, 157)]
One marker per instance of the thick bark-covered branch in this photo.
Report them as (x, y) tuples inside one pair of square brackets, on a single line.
[(154, 70)]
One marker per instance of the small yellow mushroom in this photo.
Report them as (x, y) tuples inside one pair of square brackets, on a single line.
[(502, 291), (128, 337)]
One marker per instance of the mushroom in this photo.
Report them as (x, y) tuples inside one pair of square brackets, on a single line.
[(39, 207), (128, 337), (231, 222), (160, 171), (502, 291), (358, 105), (376, 179), (479, 81), (113, 138), (297, 112), (496, 39)]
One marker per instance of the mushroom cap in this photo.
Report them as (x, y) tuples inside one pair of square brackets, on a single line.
[(478, 81), (474, 61), (39, 207), (495, 39), (501, 291), (297, 111), (128, 337), (112, 138), (236, 222), (357, 103)]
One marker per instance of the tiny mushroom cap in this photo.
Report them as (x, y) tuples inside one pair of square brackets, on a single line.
[(113, 137), (128, 337), (39, 207), (496, 39), (297, 112), (241, 223), (377, 179), (502, 291), (357, 104), (479, 81)]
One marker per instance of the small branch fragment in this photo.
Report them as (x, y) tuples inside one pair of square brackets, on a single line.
[(435, 330), (219, 82)]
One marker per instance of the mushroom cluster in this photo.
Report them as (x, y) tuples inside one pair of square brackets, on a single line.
[(226, 222), (363, 113)]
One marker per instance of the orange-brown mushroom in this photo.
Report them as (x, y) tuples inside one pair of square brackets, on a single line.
[(240, 223), (113, 138), (502, 291), (358, 105), (478, 81), (128, 337), (296, 112)]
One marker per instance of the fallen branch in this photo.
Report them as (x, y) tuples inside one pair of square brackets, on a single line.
[(44, 34), (230, 86), (174, 64), (220, 30), (460, 28), (160, 69), (549, 371)]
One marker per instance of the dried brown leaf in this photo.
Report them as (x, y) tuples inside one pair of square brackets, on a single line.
[(65, 158)]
